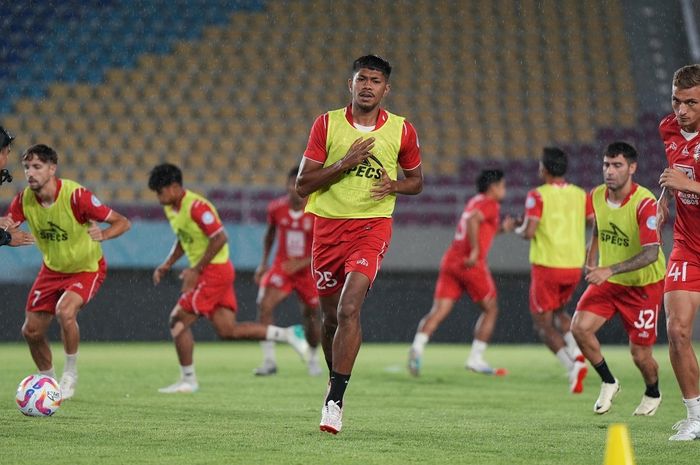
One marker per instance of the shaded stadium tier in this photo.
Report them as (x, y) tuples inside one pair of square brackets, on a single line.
[(229, 90)]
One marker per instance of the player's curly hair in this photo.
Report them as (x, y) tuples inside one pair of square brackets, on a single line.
[(43, 152), (164, 175), (555, 161), (488, 177), (687, 77), (374, 62)]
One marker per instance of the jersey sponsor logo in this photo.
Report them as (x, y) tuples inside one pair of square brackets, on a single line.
[(696, 152), (184, 237), (615, 236), (207, 218), (53, 233), (95, 201), (366, 170), (363, 262)]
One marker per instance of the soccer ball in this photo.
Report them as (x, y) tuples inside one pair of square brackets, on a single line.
[(38, 396)]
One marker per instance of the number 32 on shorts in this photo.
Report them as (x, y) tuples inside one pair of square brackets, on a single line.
[(675, 271), (325, 280)]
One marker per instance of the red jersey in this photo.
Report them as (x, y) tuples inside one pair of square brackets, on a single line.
[(490, 209), (84, 204), (294, 230), (409, 151), (683, 153)]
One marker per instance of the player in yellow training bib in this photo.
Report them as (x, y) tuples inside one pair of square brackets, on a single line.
[(627, 278)]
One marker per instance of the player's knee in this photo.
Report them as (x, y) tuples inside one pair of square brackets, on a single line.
[(348, 313), (31, 333), (65, 315), (678, 333)]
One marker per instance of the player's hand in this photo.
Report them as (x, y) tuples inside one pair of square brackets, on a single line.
[(383, 187), (259, 272), (675, 179), (358, 152), (159, 272), (189, 277), (508, 224), (95, 232), (598, 275), (19, 237), (6, 222), (473, 257)]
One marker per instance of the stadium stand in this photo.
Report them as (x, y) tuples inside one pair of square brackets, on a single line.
[(229, 91)]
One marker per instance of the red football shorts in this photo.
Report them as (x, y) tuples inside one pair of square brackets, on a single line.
[(455, 279), (682, 274), (50, 285), (638, 307), (552, 288), (341, 247), (302, 282), (214, 289)]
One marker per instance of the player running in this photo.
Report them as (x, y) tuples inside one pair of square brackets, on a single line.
[(290, 271), (626, 279), (464, 269), (350, 170), (207, 285), (555, 223), (62, 216), (680, 134)]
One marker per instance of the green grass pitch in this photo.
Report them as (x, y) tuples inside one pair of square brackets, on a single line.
[(447, 416)]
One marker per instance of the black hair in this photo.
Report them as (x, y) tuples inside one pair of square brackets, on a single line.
[(488, 177), (164, 175), (43, 152), (293, 172), (374, 62), (555, 161), (619, 147), (6, 138)]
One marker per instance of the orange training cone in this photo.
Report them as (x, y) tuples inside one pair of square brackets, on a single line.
[(618, 448)]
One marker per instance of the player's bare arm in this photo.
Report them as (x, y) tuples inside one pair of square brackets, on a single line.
[(648, 255), (592, 248), (268, 240), (293, 265), (118, 225), (473, 226), (412, 184), (528, 228), (313, 176), (189, 276), (176, 252), (508, 224)]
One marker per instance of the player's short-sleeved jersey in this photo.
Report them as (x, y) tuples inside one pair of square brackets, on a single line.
[(396, 144), (559, 240), (683, 153), (61, 229), (194, 221), (294, 230), (622, 232), (488, 228)]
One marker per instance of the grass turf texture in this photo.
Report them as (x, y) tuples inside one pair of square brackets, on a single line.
[(448, 415)]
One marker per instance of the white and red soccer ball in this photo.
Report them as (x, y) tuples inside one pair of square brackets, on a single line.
[(38, 396)]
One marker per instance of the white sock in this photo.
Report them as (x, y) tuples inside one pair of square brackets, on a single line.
[(693, 407), (50, 372), (268, 350), (71, 363), (478, 348), (565, 358), (275, 333), (419, 342), (187, 371), (571, 345)]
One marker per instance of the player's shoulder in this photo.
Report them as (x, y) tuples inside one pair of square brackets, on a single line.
[(644, 193), (669, 124), (278, 203)]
